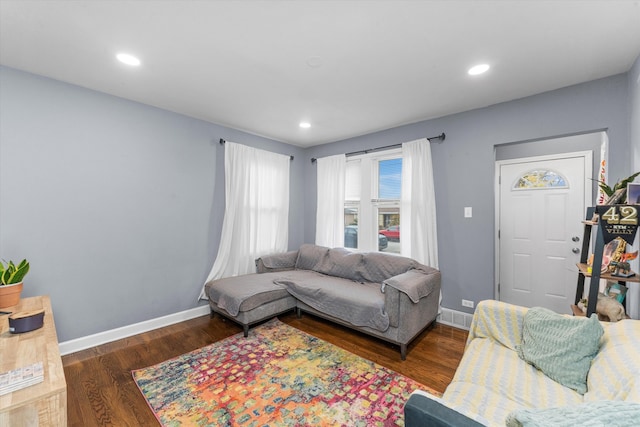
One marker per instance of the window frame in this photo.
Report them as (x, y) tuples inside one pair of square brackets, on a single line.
[(368, 206)]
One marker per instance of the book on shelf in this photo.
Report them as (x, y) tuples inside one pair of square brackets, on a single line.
[(19, 378)]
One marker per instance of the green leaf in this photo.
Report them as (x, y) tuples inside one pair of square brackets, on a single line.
[(21, 271), (624, 182), (606, 189), (622, 186), (11, 274), (619, 185), (5, 277)]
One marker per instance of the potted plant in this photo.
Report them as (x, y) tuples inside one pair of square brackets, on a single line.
[(11, 276), (617, 193)]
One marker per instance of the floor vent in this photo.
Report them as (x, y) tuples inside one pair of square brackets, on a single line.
[(455, 318)]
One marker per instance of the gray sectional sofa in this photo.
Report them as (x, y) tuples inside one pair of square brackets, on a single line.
[(390, 297)]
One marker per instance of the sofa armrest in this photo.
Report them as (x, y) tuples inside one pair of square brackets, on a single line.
[(277, 262), (409, 317), (421, 410), (416, 283), (499, 321)]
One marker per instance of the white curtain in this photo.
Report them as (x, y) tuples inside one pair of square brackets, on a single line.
[(418, 204), (330, 201), (256, 217)]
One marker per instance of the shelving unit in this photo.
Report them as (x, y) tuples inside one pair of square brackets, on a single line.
[(596, 274)]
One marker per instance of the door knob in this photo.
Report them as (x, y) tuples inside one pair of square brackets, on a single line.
[(575, 238), (575, 250)]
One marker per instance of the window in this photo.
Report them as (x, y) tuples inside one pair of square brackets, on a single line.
[(544, 178), (259, 183), (372, 201)]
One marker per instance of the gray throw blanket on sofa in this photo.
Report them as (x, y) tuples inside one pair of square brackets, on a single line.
[(350, 285), (404, 274), (361, 304), (415, 283)]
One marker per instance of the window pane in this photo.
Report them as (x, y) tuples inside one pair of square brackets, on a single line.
[(389, 178), (540, 179), (352, 180), (389, 229), (351, 227)]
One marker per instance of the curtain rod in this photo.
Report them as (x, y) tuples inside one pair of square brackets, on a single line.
[(222, 141), (441, 137)]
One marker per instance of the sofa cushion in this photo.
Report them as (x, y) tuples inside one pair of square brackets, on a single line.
[(361, 304), (378, 266), (340, 262), (562, 347), (498, 321), (362, 267), (615, 371), (246, 292), (492, 381), (277, 262)]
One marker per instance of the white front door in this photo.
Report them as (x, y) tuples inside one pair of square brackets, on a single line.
[(542, 201)]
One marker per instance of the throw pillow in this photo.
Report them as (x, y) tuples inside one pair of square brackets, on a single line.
[(561, 347)]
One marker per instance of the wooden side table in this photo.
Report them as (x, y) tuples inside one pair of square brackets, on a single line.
[(43, 404)]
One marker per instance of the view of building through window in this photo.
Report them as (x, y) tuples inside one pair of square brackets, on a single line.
[(372, 205)]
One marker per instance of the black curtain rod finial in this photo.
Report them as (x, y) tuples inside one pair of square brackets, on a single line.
[(441, 137)]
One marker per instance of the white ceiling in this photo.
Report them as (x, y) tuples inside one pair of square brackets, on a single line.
[(348, 67)]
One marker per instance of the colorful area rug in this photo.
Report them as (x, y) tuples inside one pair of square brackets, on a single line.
[(278, 376)]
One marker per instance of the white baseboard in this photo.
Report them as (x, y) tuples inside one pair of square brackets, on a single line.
[(78, 344), (449, 317), (455, 318)]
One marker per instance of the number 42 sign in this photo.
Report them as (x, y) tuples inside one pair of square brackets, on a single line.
[(618, 221)]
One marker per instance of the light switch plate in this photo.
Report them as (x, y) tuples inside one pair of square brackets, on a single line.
[(468, 212)]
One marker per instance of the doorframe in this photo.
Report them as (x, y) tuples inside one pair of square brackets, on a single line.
[(588, 198)]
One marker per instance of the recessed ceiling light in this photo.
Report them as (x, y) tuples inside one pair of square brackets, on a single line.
[(125, 58), (478, 69), (305, 125), (314, 61)]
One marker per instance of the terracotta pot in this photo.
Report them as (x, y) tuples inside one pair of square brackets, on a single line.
[(10, 295)]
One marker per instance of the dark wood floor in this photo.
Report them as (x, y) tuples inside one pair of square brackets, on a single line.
[(101, 391)]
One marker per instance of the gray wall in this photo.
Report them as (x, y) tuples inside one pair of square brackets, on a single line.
[(464, 168), (117, 205)]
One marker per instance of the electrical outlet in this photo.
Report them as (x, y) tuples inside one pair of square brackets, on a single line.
[(467, 303)]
